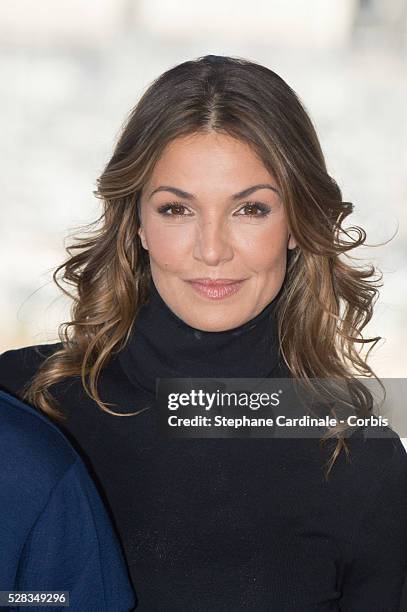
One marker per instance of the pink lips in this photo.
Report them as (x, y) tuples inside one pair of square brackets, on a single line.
[(216, 289)]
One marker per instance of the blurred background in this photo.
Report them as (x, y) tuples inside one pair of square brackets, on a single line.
[(71, 72)]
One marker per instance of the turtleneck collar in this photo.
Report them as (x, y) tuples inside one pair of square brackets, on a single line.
[(161, 345)]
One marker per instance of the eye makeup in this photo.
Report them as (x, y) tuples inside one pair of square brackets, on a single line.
[(262, 209)]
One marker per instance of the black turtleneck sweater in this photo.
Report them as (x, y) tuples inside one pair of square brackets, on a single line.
[(227, 524)]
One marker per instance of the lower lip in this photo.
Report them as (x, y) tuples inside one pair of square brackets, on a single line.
[(216, 292)]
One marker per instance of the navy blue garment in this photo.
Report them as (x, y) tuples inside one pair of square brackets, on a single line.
[(223, 525), (55, 534)]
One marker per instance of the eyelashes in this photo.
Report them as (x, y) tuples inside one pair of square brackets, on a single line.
[(262, 210)]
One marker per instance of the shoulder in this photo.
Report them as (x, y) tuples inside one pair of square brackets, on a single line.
[(54, 526), (377, 460), (34, 454), (385, 460), (377, 560), (378, 450), (18, 366)]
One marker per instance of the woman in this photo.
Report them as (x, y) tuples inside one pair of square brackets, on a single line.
[(218, 174), (56, 541)]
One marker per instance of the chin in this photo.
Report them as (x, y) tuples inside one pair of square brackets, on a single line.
[(212, 324)]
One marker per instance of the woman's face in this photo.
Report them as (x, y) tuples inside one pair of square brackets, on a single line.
[(214, 230)]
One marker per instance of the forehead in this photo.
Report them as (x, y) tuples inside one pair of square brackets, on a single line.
[(205, 159)]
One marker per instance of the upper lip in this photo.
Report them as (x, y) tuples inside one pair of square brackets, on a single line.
[(215, 281)]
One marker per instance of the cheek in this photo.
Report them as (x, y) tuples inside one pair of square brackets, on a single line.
[(168, 245), (265, 248)]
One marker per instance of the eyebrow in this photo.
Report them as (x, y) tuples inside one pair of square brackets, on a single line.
[(236, 196)]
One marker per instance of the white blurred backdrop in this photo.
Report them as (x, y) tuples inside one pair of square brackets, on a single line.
[(71, 71)]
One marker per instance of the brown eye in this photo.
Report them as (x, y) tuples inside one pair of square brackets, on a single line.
[(260, 210), (174, 206)]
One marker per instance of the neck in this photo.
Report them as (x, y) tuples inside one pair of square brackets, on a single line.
[(161, 345)]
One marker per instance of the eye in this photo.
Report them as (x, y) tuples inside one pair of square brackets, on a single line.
[(176, 209), (173, 206), (262, 209)]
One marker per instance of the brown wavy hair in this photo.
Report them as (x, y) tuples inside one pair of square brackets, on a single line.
[(326, 301)]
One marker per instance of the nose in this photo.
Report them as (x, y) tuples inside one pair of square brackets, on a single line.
[(212, 243)]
